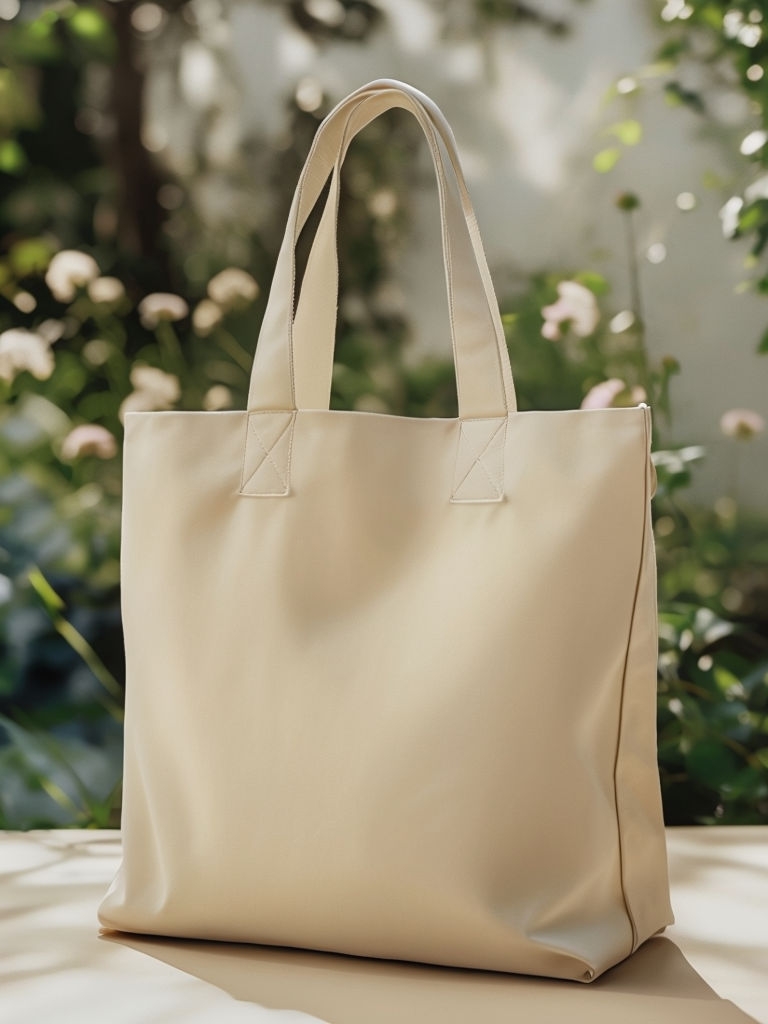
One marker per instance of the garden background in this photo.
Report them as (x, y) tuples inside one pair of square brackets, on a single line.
[(617, 154)]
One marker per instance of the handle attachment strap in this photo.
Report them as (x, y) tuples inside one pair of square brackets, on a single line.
[(291, 373)]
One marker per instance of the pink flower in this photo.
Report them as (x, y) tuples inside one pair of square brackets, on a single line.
[(576, 305), (604, 394), (742, 424), (88, 439), (24, 350), (551, 329)]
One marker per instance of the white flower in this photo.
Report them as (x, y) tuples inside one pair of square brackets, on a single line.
[(154, 390), (233, 288), (163, 386), (89, 439), (105, 290), (730, 214), (550, 330), (353, 308), (68, 271), (51, 330), (161, 306), (138, 401), (742, 424), (388, 299), (206, 316), (371, 403), (96, 351), (22, 350), (757, 190), (25, 302), (575, 304), (383, 203), (603, 395), (217, 397)]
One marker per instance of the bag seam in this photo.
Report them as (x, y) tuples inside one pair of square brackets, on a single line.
[(287, 483), (477, 460), (646, 525), (268, 455)]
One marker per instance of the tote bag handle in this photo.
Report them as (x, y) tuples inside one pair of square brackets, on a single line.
[(288, 375)]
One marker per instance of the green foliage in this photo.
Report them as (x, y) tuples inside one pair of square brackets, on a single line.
[(713, 572), (713, 661), (628, 132), (726, 42), (51, 780), (713, 726), (554, 375), (106, 341), (606, 159), (61, 666)]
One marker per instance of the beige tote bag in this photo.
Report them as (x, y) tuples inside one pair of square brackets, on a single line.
[(391, 681)]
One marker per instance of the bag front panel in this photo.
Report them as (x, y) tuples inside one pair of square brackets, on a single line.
[(366, 719)]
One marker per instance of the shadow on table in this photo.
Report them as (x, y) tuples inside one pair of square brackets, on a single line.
[(655, 986)]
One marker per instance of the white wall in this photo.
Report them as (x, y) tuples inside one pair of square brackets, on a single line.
[(527, 110)]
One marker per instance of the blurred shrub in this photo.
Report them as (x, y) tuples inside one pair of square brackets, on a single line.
[(111, 300), (717, 50), (712, 562)]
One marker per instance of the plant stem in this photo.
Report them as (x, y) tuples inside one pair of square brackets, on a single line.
[(636, 302), (736, 474), (234, 349), (54, 605), (635, 292), (169, 341)]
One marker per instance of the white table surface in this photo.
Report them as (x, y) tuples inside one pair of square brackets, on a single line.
[(712, 966)]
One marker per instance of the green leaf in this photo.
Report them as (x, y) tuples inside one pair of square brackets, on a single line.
[(713, 764), (51, 600), (57, 794), (709, 627), (762, 347), (710, 180), (88, 23), (596, 283), (753, 216), (36, 41), (712, 15), (628, 132), (728, 684), (755, 684), (749, 784), (676, 95), (606, 159), (627, 201), (54, 605), (13, 159), (31, 256), (91, 28), (672, 49), (675, 462), (18, 104)]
